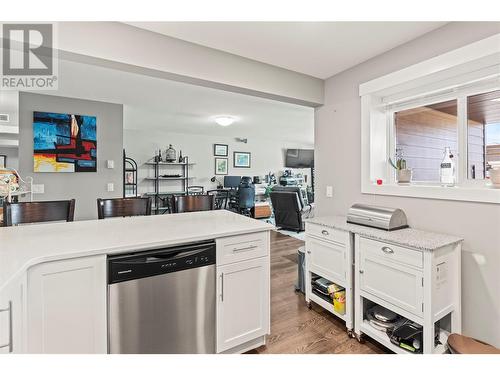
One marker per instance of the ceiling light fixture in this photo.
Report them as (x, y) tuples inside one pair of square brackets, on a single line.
[(224, 120)]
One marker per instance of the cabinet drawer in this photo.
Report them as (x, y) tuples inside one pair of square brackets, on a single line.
[(326, 233), (327, 259), (391, 253), (238, 248)]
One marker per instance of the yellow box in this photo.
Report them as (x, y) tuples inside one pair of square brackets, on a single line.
[(339, 302)]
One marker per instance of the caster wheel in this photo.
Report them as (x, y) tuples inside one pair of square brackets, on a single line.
[(360, 339), (351, 334), (309, 305)]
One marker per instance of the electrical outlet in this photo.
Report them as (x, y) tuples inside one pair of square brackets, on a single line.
[(111, 186), (38, 188), (110, 164), (329, 191)]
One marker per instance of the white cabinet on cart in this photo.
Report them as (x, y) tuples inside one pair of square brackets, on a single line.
[(329, 255), (420, 285)]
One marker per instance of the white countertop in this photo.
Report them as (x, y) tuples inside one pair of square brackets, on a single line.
[(24, 246), (408, 237)]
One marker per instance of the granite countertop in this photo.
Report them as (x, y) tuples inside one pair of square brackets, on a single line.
[(24, 246), (408, 237)]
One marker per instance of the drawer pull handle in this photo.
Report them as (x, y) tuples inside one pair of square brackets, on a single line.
[(325, 232), (308, 251), (245, 248), (361, 271), (11, 340), (387, 250)]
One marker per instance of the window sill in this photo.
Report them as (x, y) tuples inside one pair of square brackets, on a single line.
[(483, 194)]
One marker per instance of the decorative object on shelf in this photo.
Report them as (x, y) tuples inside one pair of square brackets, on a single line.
[(403, 174), (3, 161), (241, 159), (219, 183), (181, 159), (64, 142), (170, 155), (158, 158), (447, 169), (221, 166), (220, 150)]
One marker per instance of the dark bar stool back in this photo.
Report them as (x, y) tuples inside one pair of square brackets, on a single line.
[(121, 207), (37, 212), (192, 203)]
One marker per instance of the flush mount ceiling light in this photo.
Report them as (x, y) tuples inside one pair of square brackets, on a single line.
[(225, 120)]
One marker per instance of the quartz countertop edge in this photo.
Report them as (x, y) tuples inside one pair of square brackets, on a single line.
[(26, 246), (408, 237)]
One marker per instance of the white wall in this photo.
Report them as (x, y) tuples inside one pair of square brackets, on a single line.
[(267, 155), (338, 154)]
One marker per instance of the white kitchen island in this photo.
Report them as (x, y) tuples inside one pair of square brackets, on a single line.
[(53, 278)]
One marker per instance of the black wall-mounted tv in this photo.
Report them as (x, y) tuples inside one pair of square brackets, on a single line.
[(299, 158)]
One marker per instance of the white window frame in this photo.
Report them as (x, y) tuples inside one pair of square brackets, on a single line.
[(456, 75)]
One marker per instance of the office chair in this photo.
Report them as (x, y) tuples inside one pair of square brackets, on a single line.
[(246, 196)]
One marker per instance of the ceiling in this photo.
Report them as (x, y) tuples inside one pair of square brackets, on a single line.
[(155, 103), (318, 49)]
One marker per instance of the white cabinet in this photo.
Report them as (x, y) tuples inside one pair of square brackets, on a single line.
[(420, 285), (11, 318), (66, 310), (243, 310), (390, 280), (329, 255), (243, 292)]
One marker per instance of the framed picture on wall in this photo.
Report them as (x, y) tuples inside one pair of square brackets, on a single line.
[(3, 161), (220, 150), (221, 165), (241, 159)]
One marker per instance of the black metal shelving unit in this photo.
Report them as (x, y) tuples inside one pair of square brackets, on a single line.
[(129, 166), (161, 198)]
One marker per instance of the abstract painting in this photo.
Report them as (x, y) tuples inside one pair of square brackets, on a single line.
[(64, 142)]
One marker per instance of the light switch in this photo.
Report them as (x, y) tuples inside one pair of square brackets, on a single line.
[(38, 188), (329, 191), (111, 186), (110, 164)]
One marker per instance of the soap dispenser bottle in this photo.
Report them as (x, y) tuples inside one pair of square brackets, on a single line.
[(447, 171)]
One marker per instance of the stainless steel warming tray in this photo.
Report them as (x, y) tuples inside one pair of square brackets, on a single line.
[(377, 217)]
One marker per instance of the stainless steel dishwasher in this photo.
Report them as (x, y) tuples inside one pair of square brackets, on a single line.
[(163, 301)]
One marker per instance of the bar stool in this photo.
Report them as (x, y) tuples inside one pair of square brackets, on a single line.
[(121, 207), (37, 212)]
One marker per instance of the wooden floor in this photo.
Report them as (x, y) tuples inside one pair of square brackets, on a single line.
[(295, 328)]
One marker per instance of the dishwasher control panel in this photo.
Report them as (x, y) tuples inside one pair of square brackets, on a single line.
[(156, 262)]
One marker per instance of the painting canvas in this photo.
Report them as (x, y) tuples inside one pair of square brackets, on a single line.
[(64, 142)]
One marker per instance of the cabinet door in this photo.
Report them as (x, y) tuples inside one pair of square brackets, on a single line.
[(327, 259), (67, 306), (396, 284), (11, 318), (243, 311)]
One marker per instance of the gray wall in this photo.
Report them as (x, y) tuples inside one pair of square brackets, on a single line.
[(338, 160), (84, 187)]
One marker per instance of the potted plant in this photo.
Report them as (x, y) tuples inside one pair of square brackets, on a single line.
[(403, 174)]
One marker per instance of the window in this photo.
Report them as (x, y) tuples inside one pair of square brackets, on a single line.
[(483, 131), (449, 101), (422, 133)]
